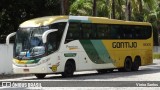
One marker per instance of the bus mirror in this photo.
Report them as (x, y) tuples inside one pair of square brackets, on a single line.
[(9, 36), (45, 34)]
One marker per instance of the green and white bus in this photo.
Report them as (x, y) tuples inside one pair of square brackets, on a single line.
[(65, 44)]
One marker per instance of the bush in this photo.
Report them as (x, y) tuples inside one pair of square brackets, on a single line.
[(156, 55)]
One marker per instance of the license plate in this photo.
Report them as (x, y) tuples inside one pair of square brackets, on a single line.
[(26, 70)]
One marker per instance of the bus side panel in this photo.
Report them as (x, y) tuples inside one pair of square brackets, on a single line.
[(74, 50), (120, 49), (97, 54), (91, 54)]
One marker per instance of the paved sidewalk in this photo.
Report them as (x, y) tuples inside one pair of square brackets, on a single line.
[(8, 76)]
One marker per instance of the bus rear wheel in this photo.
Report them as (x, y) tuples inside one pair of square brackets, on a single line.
[(40, 76), (69, 69), (127, 65), (136, 64)]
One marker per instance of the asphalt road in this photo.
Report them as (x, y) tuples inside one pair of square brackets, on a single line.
[(148, 77)]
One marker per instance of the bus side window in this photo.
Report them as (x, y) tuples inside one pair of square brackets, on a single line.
[(114, 32), (103, 31), (146, 32), (94, 31), (73, 33), (139, 33), (86, 30)]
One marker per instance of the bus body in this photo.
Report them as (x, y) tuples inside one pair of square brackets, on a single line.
[(64, 44)]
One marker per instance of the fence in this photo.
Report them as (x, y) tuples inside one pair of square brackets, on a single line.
[(6, 56), (156, 49)]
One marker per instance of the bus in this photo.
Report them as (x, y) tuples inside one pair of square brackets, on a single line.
[(66, 44)]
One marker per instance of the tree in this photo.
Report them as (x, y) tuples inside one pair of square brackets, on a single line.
[(128, 10), (113, 9), (94, 8), (81, 7), (64, 7), (14, 12)]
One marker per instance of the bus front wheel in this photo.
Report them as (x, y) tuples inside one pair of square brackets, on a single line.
[(40, 76), (69, 69)]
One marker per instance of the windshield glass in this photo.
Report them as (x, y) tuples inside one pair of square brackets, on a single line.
[(29, 42), (29, 45)]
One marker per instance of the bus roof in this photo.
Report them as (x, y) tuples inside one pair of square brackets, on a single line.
[(114, 21), (43, 21)]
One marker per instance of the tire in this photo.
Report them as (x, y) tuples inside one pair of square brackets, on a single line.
[(40, 76), (136, 64), (128, 64), (69, 69)]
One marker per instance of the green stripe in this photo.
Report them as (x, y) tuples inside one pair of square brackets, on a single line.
[(91, 51), (96, 51), (101, 50), (33, 61), (70, 54)]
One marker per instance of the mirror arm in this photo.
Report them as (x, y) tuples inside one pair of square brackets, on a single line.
[(9, 36)]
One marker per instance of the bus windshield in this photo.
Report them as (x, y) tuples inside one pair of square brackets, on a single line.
[(29, 42)]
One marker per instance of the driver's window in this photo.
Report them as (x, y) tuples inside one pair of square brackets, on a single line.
[(52, 44), (54, 38)]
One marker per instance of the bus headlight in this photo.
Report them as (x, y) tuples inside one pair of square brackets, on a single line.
[(44, 61)]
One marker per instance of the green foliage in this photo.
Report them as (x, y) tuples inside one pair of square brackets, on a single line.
[(13, 12), (141, 10), (156, 56), (81, 7)]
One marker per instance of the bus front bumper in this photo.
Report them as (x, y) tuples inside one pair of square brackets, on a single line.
[(42, 68)]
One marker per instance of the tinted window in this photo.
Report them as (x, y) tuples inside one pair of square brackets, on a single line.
[(83, 31), (60, 26), (54, 38), (102, 31), (130, 32), (86, 30), (74, 32)]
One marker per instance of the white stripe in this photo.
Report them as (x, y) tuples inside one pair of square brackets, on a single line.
[(78, 17)]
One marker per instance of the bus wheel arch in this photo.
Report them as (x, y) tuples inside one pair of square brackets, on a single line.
[(136, 63), (70, 67)]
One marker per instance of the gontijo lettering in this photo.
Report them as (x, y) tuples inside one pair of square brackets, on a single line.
[(124, 44)]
